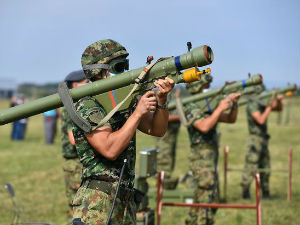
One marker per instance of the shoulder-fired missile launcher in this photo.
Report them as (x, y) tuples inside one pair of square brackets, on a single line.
[(287, 91), (172, 67), (211, 98)]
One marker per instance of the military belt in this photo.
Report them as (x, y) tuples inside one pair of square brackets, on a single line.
[(107, 187), (262, 136), (203, 145), (125, 194)]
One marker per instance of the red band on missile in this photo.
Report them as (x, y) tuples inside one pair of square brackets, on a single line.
[(207, 53), (260, 77)]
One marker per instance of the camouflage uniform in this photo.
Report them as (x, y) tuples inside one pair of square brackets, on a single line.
[(257, 155), (166, 155), (203, 164), (72, 167), (100, 175)]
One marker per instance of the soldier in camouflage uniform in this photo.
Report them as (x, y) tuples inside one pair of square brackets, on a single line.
[(204, 154), (258, 155), (72, 167), (103, 150), (166, 147)]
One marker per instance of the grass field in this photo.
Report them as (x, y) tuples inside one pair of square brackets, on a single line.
[(35, 171)]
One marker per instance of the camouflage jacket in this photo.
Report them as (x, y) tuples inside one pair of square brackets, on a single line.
[(253, 126), (95, 165), (193, 112), (68, 150)]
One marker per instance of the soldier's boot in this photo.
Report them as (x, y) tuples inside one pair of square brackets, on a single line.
[(246, 193), (77, 221), (266, 194)]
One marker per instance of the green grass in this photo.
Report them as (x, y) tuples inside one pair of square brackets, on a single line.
[(35, 171)]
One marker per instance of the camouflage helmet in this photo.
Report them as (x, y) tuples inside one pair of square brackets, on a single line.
[(100, 55), (195, 87)]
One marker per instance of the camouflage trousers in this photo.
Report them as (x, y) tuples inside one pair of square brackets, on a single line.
[(203, 164), (92, 206), (166, 155), (257, 156), (72, 172)]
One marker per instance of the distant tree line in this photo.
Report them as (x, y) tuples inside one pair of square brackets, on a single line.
[(31, 90)]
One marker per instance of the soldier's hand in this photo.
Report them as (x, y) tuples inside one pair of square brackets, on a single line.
[(164, 86), (146, 103), (274, 103), (279, 97), (224, 104), (234, 97)]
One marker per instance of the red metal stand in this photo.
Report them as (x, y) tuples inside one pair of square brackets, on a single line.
[(160, 187), (289, 171), (160, 203), (258, 204), (289, 197), (226, 151)]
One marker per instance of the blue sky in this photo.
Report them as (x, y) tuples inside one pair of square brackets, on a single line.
[(42, 41)]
